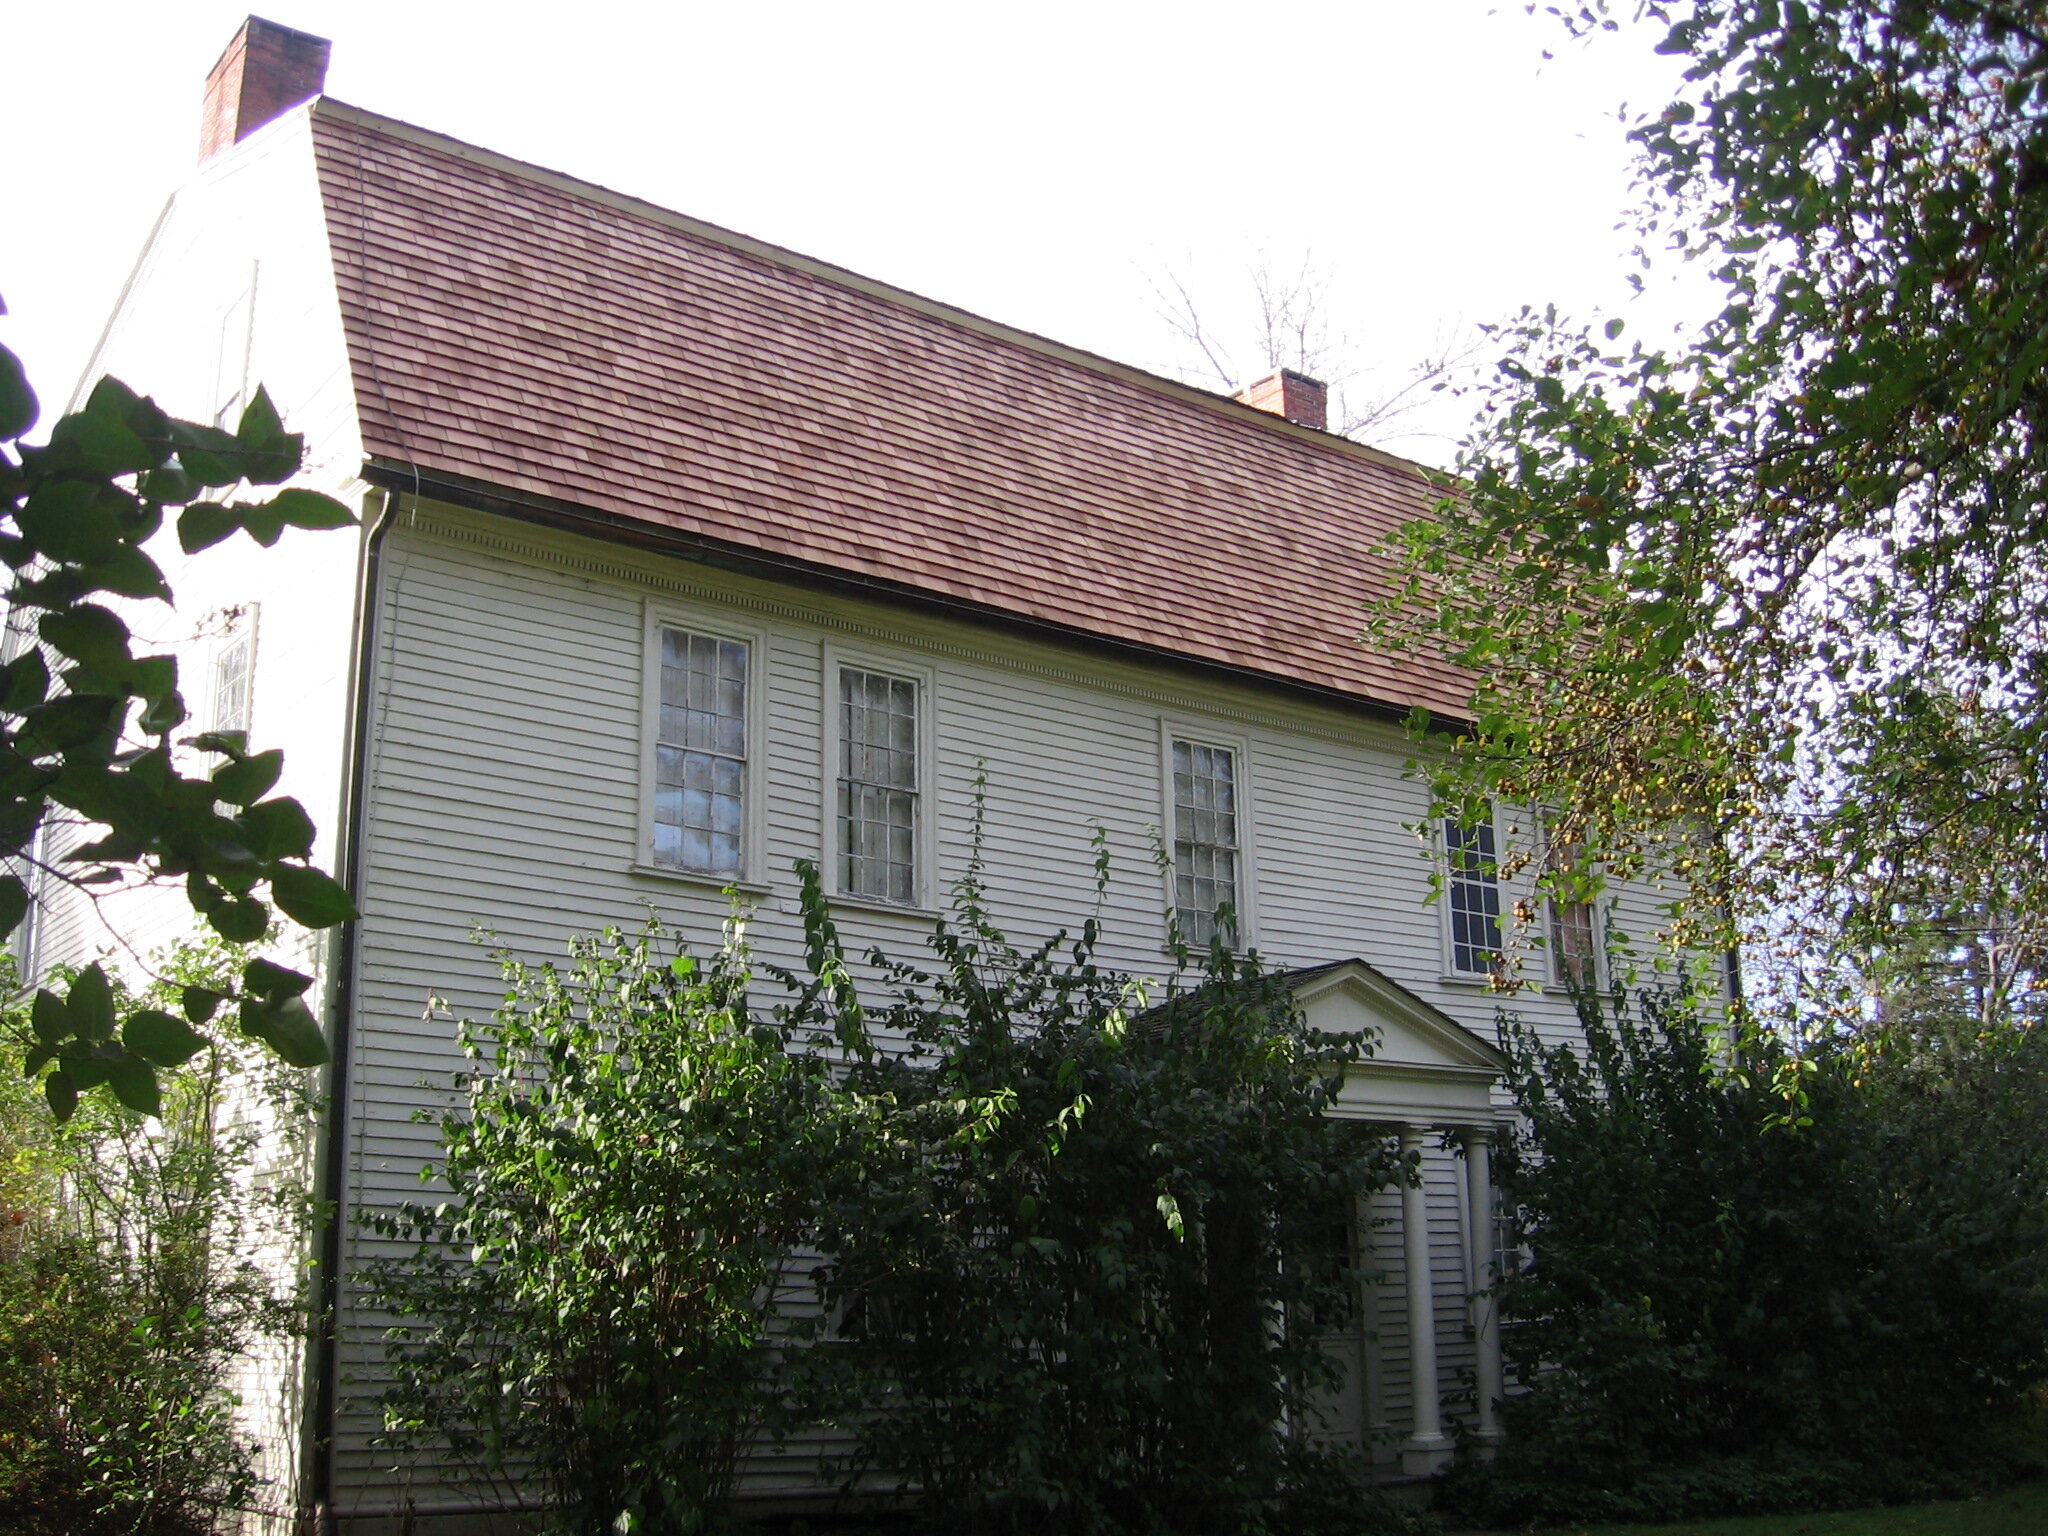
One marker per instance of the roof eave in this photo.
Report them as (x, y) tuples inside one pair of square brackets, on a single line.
[(748, 560)]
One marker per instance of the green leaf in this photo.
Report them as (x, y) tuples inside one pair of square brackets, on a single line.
[(73, 520), (161, 1038), (266, 979), (49, 1018), (13, 903), (239, 919), (68, 722), (234, 743), (270, 454), (133, 1081), (302, 508), (18, 405), (208, 455), (243, 782), (171, 486), (310, 898), (204, 524), (260, 521), (24, 682), (127, 571), (289, 1028), (98, 439), (201, 1003), (87, 633), (62, 1092), (277, 829), (90, 1004)]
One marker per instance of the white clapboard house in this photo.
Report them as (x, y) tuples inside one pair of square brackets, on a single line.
[(663, 529)]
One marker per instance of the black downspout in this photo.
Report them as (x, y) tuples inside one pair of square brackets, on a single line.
[(330, 1173)]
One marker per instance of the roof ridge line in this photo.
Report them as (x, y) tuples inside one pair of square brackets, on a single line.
[(1187, 394)]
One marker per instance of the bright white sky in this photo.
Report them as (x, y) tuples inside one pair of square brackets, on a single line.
[(1045, 164)]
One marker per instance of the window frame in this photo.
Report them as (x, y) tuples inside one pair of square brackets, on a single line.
[(1202, 733), (836, 658), (243, 628), (1553, 906), (712, 625), (1451, 972)]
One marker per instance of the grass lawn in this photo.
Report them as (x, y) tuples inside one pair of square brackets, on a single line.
[(2019, 1511)]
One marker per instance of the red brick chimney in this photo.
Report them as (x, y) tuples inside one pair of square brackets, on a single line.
[(1294, 395), (266, 71)]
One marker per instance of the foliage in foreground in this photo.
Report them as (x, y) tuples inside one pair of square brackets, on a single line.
[(1761, 608), (1061, 1228), (132, 1283), (91, 746), (1726, 1313)]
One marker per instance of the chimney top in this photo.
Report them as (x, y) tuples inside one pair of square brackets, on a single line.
[(266, 71), (1296, 396)]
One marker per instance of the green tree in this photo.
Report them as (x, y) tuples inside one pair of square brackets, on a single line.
[(1720, 1316), (137, 1270), (96, 737), (1762, 609)]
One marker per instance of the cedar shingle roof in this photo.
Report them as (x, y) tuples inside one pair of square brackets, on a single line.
[(511, 326)]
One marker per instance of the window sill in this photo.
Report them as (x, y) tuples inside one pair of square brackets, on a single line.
[(704, 882), (1475, 983), (888, 908)]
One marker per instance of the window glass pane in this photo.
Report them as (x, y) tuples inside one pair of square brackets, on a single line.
[(700, 754), (1205, 843), (233, 680), (878, 789), (1474, 897)]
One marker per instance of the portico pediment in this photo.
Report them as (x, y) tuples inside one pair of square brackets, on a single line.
[(1424, 1065)]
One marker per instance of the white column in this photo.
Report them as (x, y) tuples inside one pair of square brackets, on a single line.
[(1485, 1309), (1426, 1450)]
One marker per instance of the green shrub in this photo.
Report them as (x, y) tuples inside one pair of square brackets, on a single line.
[(635, 1172), (1089, 1274), (1055, 1252), (1725, 1312), (134, 1278)]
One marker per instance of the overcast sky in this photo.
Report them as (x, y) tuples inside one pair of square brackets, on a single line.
[(1050, 165)]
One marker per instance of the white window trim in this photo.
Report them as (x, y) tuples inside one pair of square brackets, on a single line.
[(1204, 733), (665, 614), (1452, 976), (924, 832)]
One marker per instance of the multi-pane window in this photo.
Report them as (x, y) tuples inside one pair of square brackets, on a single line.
[(700, 754), (1472, 860), (1205, 843), (877, 786), (234, 677), (1574, 946), (1574, 940)]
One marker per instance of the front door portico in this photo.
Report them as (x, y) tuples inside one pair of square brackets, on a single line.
[(1429, 1079)]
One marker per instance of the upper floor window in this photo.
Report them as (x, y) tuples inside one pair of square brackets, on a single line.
[(1574, 944), (1206, 850), (879, 795), (234, 674), (700, 754), (1472, 896)]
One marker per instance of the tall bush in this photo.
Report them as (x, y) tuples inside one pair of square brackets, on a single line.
[(141, 1261), (1088, 1285), (1730, 1308), (1052, 1250), (635, 1170)]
